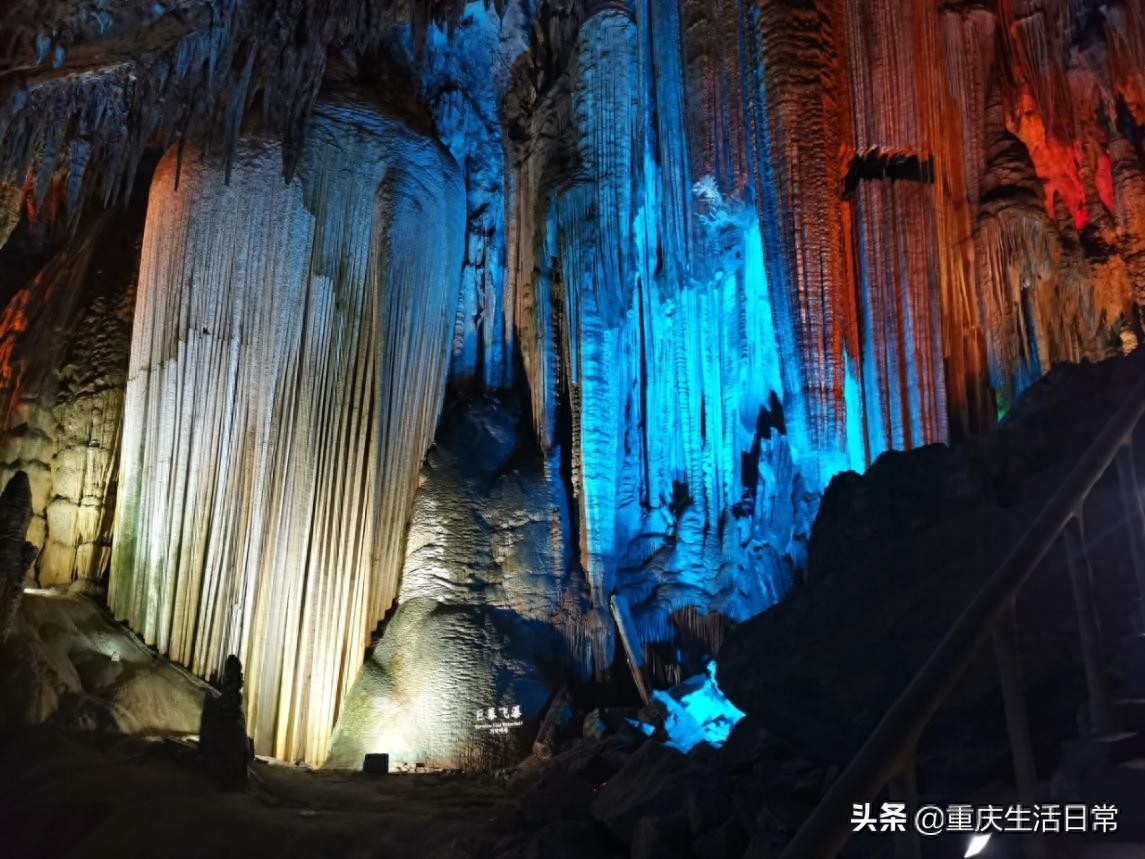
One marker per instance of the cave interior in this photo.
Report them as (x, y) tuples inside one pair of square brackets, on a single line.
[(639, 422)]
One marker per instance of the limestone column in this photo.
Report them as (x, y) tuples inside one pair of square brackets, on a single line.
[(288, 364)]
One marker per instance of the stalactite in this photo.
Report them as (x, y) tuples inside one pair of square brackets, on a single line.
[(713, 75), (799, 127), (1038, 36), (893, 89), (1058, 96), (1037, 298), (112, 81), (1128, 177), (968, 36), (288, 363), (594, 227), (467, 69), (902, 366), (1125, 34)]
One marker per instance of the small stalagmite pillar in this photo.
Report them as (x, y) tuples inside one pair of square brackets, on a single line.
[(16, 555), (223, 743)]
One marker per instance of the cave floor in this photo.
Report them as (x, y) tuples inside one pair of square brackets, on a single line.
[(95, 796)]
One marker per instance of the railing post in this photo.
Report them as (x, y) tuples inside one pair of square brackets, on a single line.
[(1131, 497), (1102, 711), (904, 788), (826, 832), (1018, 725)]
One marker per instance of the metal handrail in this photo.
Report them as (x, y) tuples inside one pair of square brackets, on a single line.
[(890, 749)]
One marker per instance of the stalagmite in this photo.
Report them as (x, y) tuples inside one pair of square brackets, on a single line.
[(1037, 297), (15, 553), (287, 368)]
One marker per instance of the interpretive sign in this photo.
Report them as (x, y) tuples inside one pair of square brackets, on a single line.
[(499, 720)]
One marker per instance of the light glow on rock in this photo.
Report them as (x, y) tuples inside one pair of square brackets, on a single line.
[(698, 711), (977, 845), (287, 368)]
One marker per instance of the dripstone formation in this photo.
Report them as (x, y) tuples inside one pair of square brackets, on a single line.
[(714, 253)]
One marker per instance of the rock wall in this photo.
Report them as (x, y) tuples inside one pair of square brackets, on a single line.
[(490, 616), (64, 341), (873, 610), (726, 250), (288, 364)]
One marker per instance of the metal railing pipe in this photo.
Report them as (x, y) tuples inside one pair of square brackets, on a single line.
[(887, 750)]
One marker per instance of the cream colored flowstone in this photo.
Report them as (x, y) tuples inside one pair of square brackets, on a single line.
[(288, 365)]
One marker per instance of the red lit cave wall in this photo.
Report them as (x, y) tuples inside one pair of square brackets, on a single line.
[(1016, 240)]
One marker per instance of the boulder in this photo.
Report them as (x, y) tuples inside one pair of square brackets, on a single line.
[(898, 553), (593, 761), (555, 794), (450, 686), (68, 662), (657, 781), (660, 838)]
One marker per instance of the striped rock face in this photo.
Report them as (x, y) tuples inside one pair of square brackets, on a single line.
[(287, 367), (723, 250)]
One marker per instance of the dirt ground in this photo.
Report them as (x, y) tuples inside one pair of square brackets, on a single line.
[(77, 795)]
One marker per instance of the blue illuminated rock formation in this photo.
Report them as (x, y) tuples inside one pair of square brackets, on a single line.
[(645, 309), (698, 712), (723, 249)]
